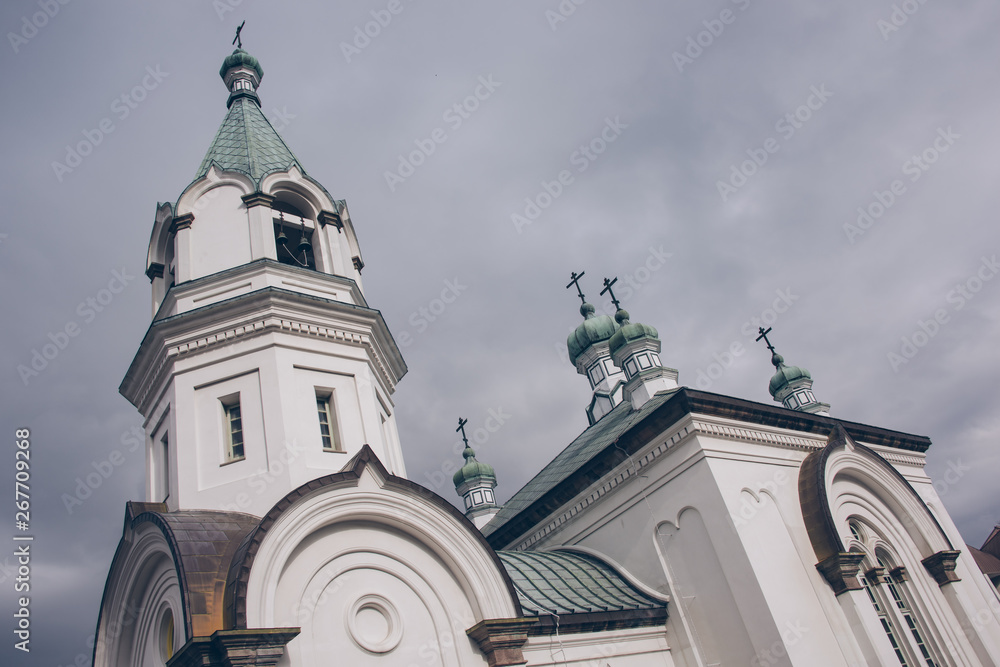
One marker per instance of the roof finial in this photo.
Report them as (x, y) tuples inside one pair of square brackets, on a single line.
[(236, 40), (575, 281), (776, 358), (621, 315), (469, 453)]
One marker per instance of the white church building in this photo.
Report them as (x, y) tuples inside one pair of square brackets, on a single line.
[(681, 528)]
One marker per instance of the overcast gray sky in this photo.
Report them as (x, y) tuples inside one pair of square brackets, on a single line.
[(687, 91)]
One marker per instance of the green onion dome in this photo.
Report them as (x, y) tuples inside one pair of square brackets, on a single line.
[(629, 331), (473, 469), (784, 375), (593, 329), (240, 58)]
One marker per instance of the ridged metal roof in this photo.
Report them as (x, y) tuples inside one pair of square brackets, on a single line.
[(247, 143), (565, 582), (579, 452)]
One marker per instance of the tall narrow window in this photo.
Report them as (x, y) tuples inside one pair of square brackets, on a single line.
[(907, 614), (234, 431), (165, 467), (894, 612), (885, 620), (327, 423)]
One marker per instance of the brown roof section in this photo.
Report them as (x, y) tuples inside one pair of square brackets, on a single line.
[(992, 543), (987, 562), (203, 543)]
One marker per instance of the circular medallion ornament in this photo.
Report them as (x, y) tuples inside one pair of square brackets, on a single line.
[(374, 624)]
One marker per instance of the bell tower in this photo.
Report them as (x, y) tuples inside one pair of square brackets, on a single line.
[(264, 367)]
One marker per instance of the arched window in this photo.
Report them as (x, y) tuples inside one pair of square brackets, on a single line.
[(885, 585), (293, 235)]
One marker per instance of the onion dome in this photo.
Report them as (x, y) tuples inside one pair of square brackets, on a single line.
[(593, 329), (473, 470), (784, 375), (240, 58), (629, 332)]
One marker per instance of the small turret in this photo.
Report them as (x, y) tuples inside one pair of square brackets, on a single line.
[(588, 351), (790, 385), (475, 482)]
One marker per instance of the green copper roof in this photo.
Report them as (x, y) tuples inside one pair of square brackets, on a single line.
[(240, 58), (593, 329), (629, 331), (587, 445), (247, 143), (473, 469), (784, 375), (565, 582)]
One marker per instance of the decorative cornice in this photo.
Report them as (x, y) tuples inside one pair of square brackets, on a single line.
[(501, 639), (942, 566), (761, 436), (255, 329), (181, 222), (251, 315), (235, 648), (358, 264), (154, 271), (258, 199), (841, 571), (330, 218)]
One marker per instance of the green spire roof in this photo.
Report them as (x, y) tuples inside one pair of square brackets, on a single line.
[(246, 142)]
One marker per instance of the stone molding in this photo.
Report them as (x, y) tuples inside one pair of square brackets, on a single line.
[(841, 571), (235, 648), (502, 639), (942, 566), (181, 222), (258, 199)]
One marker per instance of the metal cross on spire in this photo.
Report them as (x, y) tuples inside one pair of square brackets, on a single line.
[(236, 40), (575, 280), (461, 427), (763, 334), (607, 288)]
